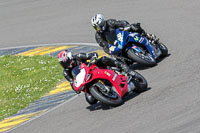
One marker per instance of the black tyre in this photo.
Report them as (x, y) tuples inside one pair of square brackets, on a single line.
[(111, 98), (163, 49), (90, 99), (140, 83), (142, 59)]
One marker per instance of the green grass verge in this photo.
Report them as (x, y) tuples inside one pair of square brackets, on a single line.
[(25, 79)]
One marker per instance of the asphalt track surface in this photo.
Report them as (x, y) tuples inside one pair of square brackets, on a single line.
[(173, 102)]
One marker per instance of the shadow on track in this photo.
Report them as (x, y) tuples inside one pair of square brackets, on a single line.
[(137, 66), (126, 98)]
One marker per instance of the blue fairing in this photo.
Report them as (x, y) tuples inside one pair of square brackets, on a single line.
[(124, 37)]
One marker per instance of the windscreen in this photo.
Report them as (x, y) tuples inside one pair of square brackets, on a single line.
[(75, 71)]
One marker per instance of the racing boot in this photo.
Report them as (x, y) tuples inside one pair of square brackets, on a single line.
[(122, 66), (131, 74), (152, 39)]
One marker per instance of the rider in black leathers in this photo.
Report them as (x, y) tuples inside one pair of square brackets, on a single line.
[(106, 30), (69, 61)]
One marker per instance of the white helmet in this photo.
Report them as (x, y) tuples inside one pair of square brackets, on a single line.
[(98, 22)]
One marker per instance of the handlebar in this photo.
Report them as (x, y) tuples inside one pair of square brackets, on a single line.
[(93, 60)]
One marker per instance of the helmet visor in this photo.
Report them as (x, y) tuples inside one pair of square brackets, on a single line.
[(100, 27)]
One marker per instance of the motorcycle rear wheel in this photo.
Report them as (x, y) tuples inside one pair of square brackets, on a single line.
[(145, 60), (113, 100)]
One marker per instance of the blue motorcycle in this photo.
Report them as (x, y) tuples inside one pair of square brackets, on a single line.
[(135, 47)]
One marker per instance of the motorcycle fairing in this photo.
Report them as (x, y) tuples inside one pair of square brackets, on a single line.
[(80, 77), (124, 37), (118, 81)]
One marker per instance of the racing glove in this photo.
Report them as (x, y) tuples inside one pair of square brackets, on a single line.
[(90, 55), (137, 28)]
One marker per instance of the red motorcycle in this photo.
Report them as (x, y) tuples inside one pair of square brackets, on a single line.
[(105, 85)]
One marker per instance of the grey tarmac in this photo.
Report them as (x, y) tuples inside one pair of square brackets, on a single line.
[(172, 105)]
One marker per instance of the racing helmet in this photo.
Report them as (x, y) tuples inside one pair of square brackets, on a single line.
[(65, 58), (98, 22)]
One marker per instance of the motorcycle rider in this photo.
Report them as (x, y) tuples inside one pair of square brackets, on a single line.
[(105, 30), (70, 61)]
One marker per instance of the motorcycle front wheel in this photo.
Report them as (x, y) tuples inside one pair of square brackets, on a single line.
[(111, 98), (163, 49), (90, 99), (140, 58), (140, 83)]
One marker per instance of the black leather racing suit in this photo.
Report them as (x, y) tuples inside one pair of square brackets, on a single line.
[(109, 36), (103, 62)]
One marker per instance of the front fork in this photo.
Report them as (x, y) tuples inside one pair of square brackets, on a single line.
[(131, 85)]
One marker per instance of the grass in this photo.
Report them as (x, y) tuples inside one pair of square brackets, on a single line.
[(25, 79)]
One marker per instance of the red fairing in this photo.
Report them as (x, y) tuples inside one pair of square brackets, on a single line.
[(81, 85), (118, 81)]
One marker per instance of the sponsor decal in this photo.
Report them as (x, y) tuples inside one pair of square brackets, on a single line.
[(82, 66), (112, 48), (114, 77), (107, 73), (134, 47), (141, 40), (136, 38), (132, 34), (119, 36)]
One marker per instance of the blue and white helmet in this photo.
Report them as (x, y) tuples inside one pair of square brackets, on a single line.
[(98, 22)]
